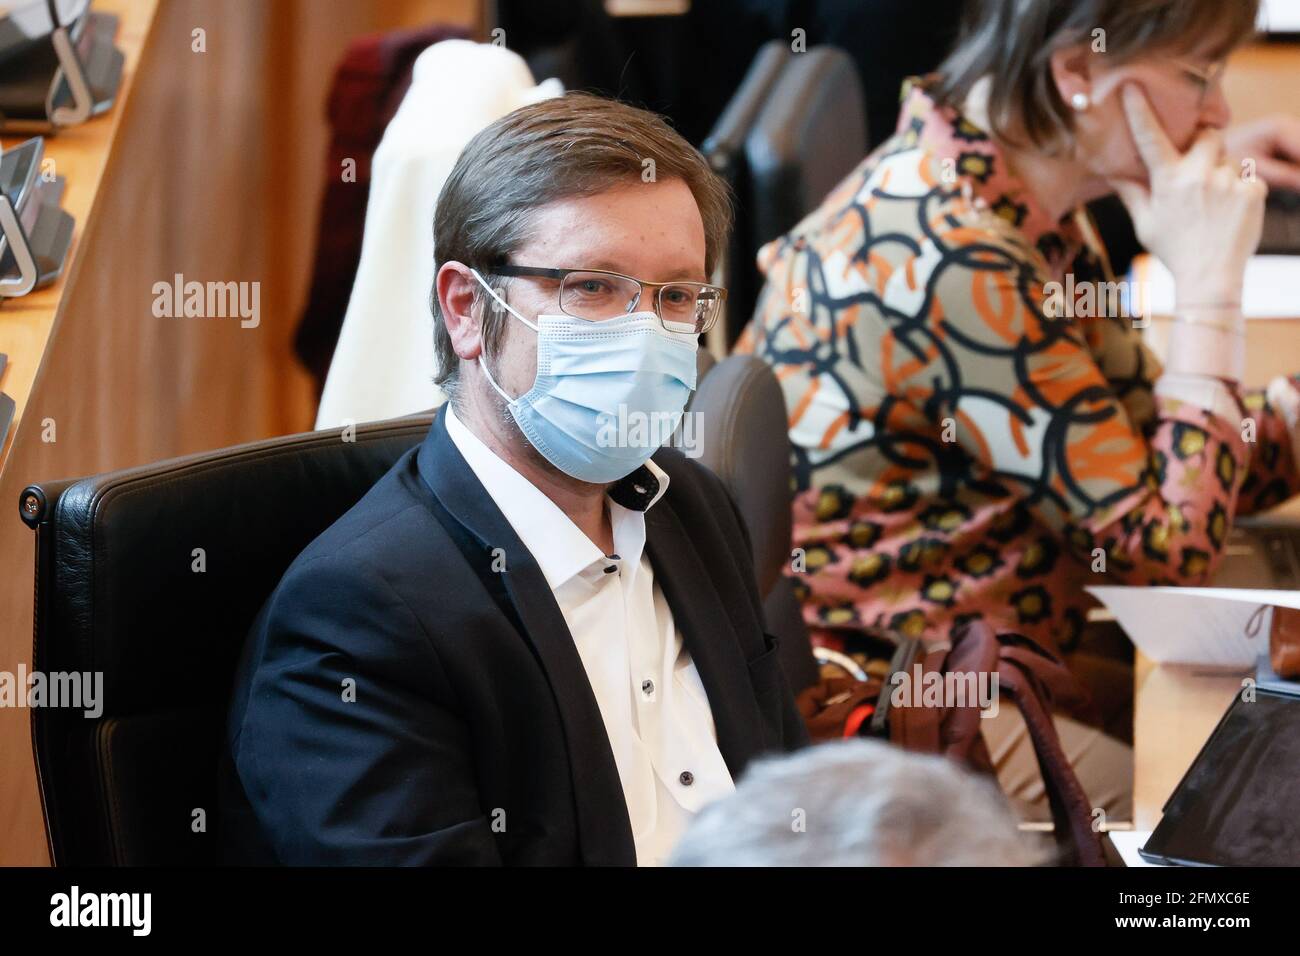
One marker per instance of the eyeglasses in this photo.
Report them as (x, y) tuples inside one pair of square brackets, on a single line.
[(593, 294), (1205, 78)]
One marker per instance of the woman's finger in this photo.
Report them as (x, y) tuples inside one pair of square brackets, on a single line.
[(1152, 142), (1207, 151), (1279, 173)]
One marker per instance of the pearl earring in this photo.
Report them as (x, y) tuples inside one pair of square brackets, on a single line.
[(1080, 101)]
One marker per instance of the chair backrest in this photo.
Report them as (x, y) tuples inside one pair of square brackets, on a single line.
[(725, 150), (739, 411), (741, 437), (152, 577), (810, 134)]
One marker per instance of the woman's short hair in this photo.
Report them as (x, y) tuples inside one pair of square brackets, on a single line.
[(569, 146), (1012, 42)]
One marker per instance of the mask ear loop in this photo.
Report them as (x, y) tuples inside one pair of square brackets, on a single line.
[(505, 305), (491, 380), (502, 302)]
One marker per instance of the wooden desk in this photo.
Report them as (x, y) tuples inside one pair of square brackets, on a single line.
[(1174, 712), (1261, 79), (81, 155)]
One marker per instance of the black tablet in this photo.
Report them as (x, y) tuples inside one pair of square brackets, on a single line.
[(1239, 803)]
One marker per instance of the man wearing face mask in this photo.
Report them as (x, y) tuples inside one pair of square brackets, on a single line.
[(536, 640)]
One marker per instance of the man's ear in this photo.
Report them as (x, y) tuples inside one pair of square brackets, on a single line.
[(456, 288), (1072, 70)]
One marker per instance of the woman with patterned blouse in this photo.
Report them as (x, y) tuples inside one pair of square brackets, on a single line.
[(977, 428)]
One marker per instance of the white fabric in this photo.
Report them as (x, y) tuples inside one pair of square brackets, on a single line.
[(624, 633), (383, 365)]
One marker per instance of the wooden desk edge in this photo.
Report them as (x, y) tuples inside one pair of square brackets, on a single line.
[(97, 137)]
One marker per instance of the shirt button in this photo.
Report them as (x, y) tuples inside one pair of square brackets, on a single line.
[(686, 779), (647, 687)]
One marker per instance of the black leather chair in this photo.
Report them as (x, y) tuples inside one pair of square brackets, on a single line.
[(742, 421), (118, 591), (809, 135), (153, 575), (794, 128), (724, 148)]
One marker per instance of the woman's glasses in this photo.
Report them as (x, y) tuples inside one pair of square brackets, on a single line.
[(1203, 78)]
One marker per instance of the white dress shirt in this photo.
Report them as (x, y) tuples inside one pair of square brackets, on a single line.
[(653, 704)]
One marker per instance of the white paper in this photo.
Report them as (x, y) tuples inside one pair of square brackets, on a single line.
[(1127, 843), (1205, 626)]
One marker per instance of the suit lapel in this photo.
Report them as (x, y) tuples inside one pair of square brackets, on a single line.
[(708, 633), (605, 832)]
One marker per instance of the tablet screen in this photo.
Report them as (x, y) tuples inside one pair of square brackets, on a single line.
[(1239, 804)]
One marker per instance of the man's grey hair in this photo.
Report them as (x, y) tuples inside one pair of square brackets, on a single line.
[(859, 803)]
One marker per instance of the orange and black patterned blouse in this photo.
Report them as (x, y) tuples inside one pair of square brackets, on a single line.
[(958, 450)]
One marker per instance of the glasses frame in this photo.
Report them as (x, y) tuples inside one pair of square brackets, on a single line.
[(1211, 76), (657, 287)]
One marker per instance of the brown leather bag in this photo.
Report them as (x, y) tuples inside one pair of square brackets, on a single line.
[(1284, 642), (1035, 682)]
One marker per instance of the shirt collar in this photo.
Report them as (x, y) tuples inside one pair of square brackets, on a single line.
[(560, 548), (982, 169)]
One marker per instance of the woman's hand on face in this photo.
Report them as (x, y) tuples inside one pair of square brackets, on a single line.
[(1273, 145), (1196, 212)]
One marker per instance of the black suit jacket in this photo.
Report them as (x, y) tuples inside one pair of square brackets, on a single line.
[(399, 701)]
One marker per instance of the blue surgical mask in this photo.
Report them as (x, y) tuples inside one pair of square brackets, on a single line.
[(607, 395)]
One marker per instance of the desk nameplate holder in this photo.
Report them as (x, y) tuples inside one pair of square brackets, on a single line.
[(85, 70), (35, 232), (7, 405)]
